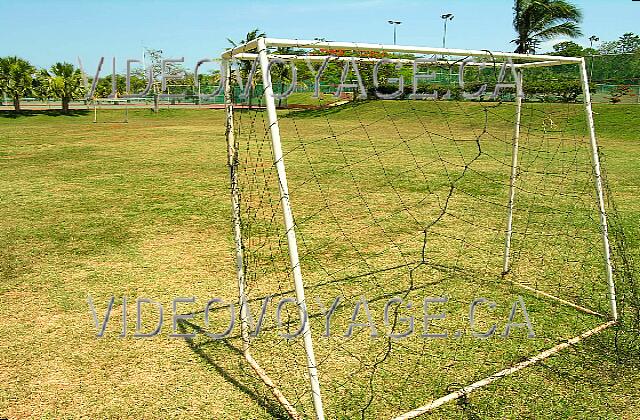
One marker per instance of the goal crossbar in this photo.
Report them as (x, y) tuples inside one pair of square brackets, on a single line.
[(322, 58), (533, 60), (436, 61)]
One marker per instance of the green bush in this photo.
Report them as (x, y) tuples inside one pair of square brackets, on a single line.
[(554, 90), (543, 90)]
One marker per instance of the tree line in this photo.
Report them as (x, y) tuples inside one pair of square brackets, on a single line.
[(65, 82), (534, 21), (19, 78)]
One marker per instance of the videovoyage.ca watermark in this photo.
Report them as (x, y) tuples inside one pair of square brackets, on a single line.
[(401, 319), (350, 77)]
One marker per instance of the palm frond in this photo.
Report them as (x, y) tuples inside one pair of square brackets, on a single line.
[(538, 20), (569, 29)]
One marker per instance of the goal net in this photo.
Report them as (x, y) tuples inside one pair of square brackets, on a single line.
[(433, 225)]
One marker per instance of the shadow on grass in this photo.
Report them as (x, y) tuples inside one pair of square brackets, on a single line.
[(328, 110), (380, 298), (219, 354), (469, 411), (216, 354), (48, 112)]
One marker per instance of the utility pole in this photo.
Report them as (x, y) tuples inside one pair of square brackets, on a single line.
[(395, 24), (592, 39), (446, 17)]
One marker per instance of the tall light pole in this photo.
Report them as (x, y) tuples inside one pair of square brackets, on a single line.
[(446, 17), (395, 24), (592, 39)]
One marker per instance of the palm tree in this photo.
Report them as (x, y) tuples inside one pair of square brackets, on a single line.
[(540, 20), (41, 88), (65, 83), (251, 35), (245, 65), (16, 78)]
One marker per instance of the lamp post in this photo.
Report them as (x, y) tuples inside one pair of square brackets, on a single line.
[(592, 39), (395, 24), (446, 17)]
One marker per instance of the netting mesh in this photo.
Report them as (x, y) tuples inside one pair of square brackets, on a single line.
[(409, 199)]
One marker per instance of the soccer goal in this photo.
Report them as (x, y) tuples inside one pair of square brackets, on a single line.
[(110, 110), (442, 227)]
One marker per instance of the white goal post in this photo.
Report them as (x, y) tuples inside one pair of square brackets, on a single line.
[(262, 52)]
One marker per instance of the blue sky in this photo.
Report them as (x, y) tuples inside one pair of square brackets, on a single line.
[(45, 31)]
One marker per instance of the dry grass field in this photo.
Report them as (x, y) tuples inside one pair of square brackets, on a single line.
[(143, 210)]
